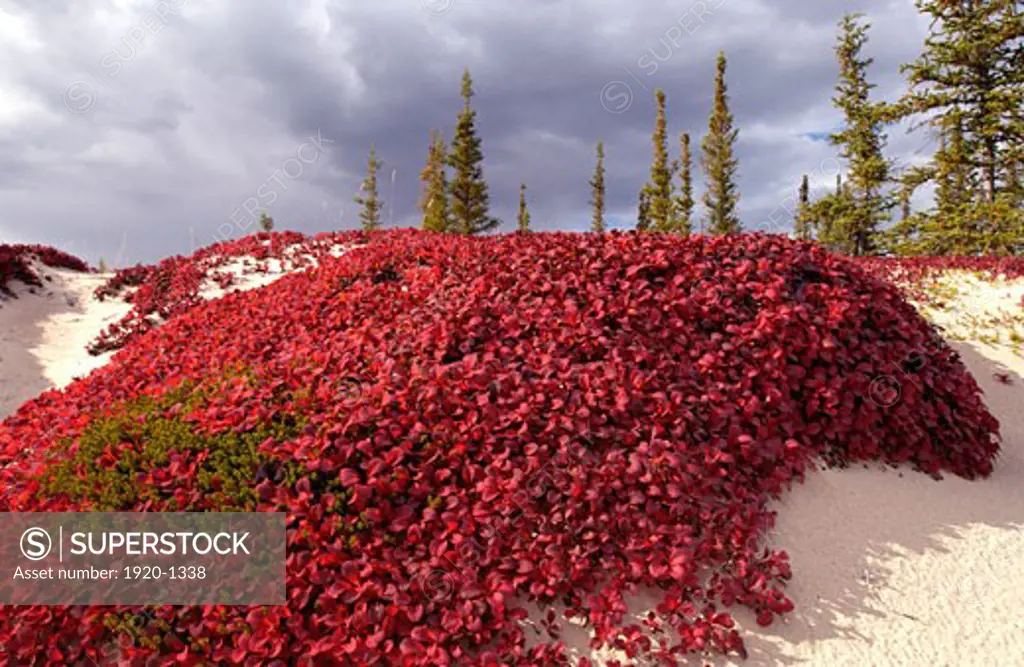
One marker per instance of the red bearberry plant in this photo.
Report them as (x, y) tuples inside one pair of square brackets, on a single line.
[(455, 424)]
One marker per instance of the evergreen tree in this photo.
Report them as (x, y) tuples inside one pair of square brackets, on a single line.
[(597, 190), (953, 227), (469, 200), (659, 189), (861, 140), (834, 216), (266, 222), (957, 223), (904, 237), (719, 161), (434, 200), (1015, 220), (956, 184), (1013, 183), (643, 207), (683, 204), (970, 75), (369, 198), (969, 81), (524, 215), (802, 226)]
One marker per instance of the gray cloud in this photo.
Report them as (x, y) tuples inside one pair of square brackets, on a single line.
[(152, 126)]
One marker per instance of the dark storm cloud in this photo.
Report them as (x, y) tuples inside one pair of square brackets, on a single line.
[(150, 128)]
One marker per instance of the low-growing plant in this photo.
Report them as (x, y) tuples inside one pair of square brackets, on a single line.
[(173, 286), (15, 264), (481, 421), (119, 460)]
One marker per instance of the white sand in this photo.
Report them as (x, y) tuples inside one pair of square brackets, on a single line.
[(891, 570), (247, 273), (888, 570), (978, 310), (246, 278), (45, 331)]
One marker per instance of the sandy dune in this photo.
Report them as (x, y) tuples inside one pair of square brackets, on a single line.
[(890, 567), (893, 568), (978, 310), (44, 333)]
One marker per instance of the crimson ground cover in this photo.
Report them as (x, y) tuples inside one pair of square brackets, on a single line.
[(15, 264), (173, 285), (454, 424)]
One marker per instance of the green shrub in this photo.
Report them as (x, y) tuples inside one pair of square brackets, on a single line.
[(117, 450)]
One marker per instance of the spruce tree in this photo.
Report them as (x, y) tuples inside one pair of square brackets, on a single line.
[(719, 161), (953, 226), (1013, 181), (833, 216), (643, 210), (970, 75), (369, 198), (434, 200), (956, 184), (524, 215), (904, 237), (469, 200), (1014, 186), (802, 226), (659, 189), (597, 192), (683, 204), (969, 80), (861, 140)]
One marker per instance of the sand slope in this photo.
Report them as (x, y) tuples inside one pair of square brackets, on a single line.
[(904, 570), (975, 309), (44, 333)]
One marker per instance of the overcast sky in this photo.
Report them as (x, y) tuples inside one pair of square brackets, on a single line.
[(135, 130)]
